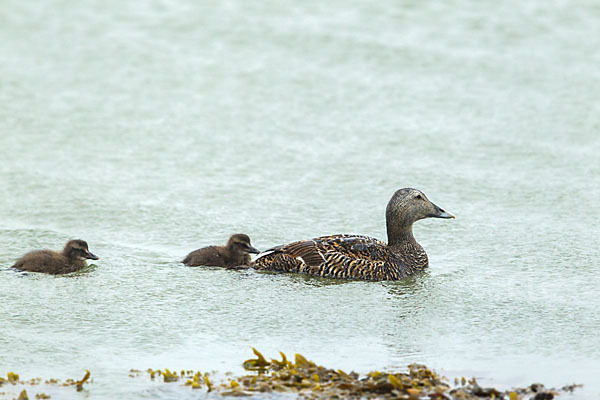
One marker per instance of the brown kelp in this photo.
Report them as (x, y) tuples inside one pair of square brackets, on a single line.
[(308, 380), (14, 379)]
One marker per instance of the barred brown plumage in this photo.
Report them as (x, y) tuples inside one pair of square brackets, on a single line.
[(362, 257)]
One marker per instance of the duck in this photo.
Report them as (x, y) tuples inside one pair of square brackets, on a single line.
[(359, 257), (234, 254), (71, 259)]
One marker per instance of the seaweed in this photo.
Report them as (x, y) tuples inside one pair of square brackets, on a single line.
[(80, 383), (195, 381), (306, 379), (14, 379), (168, 376), (256, 364)]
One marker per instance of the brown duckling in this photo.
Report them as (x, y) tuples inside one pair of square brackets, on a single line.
[(362, 257), (71, 259), (233, 254)]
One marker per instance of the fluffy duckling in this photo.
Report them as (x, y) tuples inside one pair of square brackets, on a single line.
[(71, 259), (233, 254), (362, 257)]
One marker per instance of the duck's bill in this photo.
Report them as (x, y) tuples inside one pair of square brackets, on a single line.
[(440, 213), (91, 256), (253, 250)]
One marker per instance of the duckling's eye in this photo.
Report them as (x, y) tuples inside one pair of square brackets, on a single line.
[(419, 197)]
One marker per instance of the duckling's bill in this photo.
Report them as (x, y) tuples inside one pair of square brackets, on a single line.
[(91, 255)]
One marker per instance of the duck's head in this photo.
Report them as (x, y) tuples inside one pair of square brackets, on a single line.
[(410, 205), (240, 243), (78, 248)]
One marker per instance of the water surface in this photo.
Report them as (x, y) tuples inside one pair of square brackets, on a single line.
[(151, 129)]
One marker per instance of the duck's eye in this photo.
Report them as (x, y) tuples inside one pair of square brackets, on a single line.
[(419, 197)]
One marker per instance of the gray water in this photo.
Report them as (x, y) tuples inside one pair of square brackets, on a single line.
[(150, 129)]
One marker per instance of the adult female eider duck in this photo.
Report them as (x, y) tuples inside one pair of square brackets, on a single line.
[(71, 259), (362, 257), (234, 254)]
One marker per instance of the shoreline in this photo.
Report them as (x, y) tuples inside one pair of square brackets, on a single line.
[(302, 378)]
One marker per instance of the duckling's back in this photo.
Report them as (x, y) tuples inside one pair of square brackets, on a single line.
[(46, 261), (209, 256)]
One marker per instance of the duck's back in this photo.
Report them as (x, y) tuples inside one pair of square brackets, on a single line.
[(47, 261), (336, 256)]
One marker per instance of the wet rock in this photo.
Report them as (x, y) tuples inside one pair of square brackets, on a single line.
[(544, 396)]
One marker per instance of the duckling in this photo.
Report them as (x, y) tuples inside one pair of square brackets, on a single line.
[(362, 257), (71, 259), (235, 253)]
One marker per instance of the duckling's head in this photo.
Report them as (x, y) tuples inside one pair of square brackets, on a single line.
[(240, 243), (78, 248), (410, 205)]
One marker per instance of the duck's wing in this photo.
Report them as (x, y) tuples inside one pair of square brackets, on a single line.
[(336, 256)]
